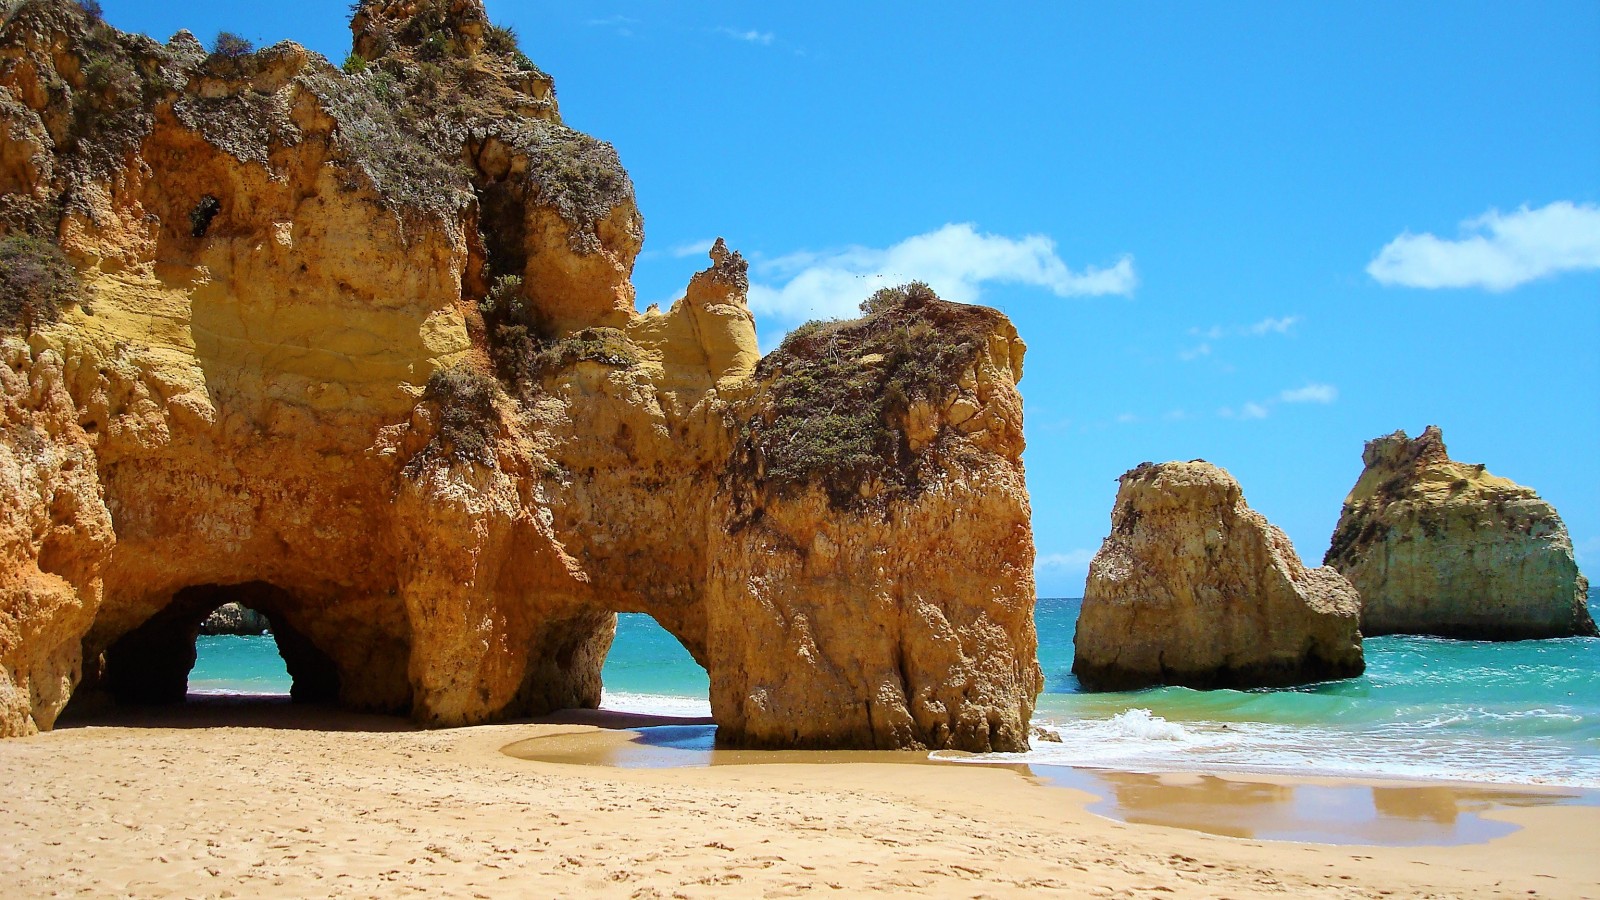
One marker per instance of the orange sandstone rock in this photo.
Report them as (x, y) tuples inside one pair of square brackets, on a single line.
[(1195, 588), (277, 392), (1446, 548)]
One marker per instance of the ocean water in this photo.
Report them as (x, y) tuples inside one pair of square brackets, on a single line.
[(1526, 712), (238, 664)]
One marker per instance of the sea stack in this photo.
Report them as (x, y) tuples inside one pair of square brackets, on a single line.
[(1195, 588), (233, 618), (1444, 548)]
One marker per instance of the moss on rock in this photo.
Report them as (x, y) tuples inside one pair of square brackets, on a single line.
[(838, 393)]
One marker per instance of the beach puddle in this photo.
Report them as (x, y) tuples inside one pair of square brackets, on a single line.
[(1344, 813), (683, 746), (1235, 806)]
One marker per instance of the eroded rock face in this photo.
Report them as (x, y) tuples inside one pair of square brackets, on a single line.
[(55, 538), (888, 569), (1194, 588), (232, 618), (1446, 548), (359, 351)]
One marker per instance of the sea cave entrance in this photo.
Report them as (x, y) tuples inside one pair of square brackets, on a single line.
[(152, 663), (648, 670), (236, 653)]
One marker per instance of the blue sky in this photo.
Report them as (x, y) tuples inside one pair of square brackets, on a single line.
[(1254, 233)]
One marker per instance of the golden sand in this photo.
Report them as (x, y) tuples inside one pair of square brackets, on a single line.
[(275, 800)]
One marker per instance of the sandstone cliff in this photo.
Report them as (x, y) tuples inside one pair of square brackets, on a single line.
[(1445, 548), (357, 347), (1194, 588)]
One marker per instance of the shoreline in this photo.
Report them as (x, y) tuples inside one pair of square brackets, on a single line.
[(1265, 772), (280, 799), (1441, 812)]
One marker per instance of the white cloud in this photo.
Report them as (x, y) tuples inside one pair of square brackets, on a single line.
[(1496, 251), (763, 38), (1311, 393), (1268, 326), (1271, 326), (693, 248), (1127, 418), (1070, 560), (622, 24), (956, 260)]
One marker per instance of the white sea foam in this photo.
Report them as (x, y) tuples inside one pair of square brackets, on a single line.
[(242, 694), (1142, 724), (656, 704), (1137, 740)]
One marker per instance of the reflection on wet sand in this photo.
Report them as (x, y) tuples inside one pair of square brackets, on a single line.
[(682, 746), (1233, 806), (1315, 813)]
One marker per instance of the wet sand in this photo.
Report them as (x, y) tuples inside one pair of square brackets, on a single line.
[(1324, 811), (277, 800)]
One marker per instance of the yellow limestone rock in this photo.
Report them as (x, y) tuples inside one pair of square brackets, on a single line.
[(385, 385), (1195, 588), (1446, 548)]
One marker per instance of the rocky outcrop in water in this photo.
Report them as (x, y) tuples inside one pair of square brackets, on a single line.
[(1446, 548), (357, 347), (231, 618), (1194, 588)]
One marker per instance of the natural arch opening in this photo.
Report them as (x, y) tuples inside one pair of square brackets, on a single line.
[(151, 663), (649, 670), (236, 653)]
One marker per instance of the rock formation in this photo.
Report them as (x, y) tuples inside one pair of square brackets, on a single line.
[(231, 618), (1445, 548), (357, 348), (1195, 588)]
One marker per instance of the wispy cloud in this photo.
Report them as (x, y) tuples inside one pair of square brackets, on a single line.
[(692, 248), (1496, 251), (623, 25), (1269, 325), (1068, 561), (956, 260), (1312, 393), (1251, 410), (1210, 336), (750, 36)]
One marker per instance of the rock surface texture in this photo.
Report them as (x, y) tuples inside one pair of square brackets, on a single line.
[(358, 349), (1445, 548), (1194, 588), (231, 618)]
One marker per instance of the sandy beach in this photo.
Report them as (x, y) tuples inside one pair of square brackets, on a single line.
[(220, 800)]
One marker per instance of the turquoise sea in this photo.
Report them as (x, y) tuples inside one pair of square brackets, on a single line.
[(1523, 713)]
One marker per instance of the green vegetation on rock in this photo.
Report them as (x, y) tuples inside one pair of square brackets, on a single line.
[(838, 393), (525, 352), (36, 280), (468, 420)]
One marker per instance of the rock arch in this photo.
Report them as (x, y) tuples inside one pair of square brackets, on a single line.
[(151, 663), (307, 399)]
